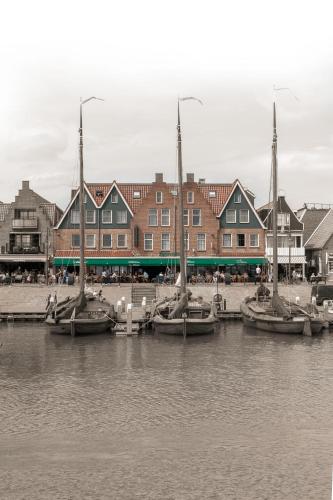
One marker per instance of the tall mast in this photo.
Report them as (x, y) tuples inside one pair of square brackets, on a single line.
[(181, 209), (81, 204), (275, 190)]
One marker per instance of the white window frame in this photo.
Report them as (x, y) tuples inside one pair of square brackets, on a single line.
[(164, 240), (145, 239), (241, 246), (187, 240), (106, 246), (149, 221), (205, 241), (283, 217), (200, 219), (187, 216), (114, 198), (77, 212), (237, 198), (103, 218), (75, 246), (86, 214), (254, 246), (125, 244), (227, 213), (86, 242), (136, 195), (242, 210), (227, 246), (190, 197), (162, 216), (212, 194), (159, 193), (117, 218)]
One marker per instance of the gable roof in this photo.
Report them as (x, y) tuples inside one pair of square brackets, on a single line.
[(322, 233), (235, 185), (311, 218), (265, 213), (105, 190)]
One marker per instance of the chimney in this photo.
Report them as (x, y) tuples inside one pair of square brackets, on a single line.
[(158, 178), (189, 177), (202, 181), (25, 184)]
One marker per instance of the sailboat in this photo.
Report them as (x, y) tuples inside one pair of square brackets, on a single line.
[(182, 314), (80, 315), (277, 314)]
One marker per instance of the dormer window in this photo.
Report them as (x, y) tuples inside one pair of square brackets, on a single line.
[(190, 197), (136, 194), (159, 197), (237, 198), (212, 194), (99, 193), (114, 198)]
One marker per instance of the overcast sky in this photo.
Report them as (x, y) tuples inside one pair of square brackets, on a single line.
[(140, 56)]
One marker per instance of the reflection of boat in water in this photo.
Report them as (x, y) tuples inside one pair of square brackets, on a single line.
[(182, 315), (276, 315), (80, 315)]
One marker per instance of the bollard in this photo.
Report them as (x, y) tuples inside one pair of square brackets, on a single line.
[(123, 305), (297, 300), (119, 307), (129, 319)]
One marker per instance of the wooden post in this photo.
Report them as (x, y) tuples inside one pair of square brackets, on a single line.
[(72, 323), (129, 319)]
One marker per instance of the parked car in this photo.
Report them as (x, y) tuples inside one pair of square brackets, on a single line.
[(322, 292)]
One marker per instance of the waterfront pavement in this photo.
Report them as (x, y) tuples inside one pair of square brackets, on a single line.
[(32, 298)]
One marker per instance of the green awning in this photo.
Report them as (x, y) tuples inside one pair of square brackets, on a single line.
[(159, 261)]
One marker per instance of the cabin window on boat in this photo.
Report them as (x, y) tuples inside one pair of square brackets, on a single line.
[(186, 241), (283, 219), (254, 240), (165, 242), (241, 240), (165, 217), (231, 216), (121, 240), (107, 240), (227, 240), (106, 216), (243, 216), (90, 216), (152, 217), (75, 216), (186, 217), (159, 197), (75, 240), (114, 198), (121, 216), (148, 241), (190, 197), (196, 217), (201, 242), (90, 240), (237, 198)]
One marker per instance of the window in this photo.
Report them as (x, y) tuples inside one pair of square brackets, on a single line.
[(114, 198), (254, 240), (107, 241), (165, 242), (148, 241), (121, 217), (26, 240), (159, 197), (186, 241), (241, 240), (152, 217), (201, 242), (227, 240), (136, 194), (196, 217), (237, 198), (90, 240), (75, 217), (121, 240), (298, 241), (190, 197), (90, 216), (165, 217), (186, 217), (106, 216), (243, 216), (75, 240), (231, 216), (212, 194), (283, 219)]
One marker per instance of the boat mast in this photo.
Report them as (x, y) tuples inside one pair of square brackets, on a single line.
[(81, 205), (181, 209), (274, 168)]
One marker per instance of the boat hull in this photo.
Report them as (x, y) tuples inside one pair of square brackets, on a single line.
[(184, 327), (80, 326)]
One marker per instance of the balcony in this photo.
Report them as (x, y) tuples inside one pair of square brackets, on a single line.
[(25, 250), (25, 223), (297, 255)]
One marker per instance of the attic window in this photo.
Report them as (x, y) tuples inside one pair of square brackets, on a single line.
[(99, 193), (174, 192), (136, 194), (237, 198), (212, 194)]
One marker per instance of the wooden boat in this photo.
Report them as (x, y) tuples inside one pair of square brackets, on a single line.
[(182, 315), (81, 315), (276, 315)]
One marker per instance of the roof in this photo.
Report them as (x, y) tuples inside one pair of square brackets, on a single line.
[(266, 214), (321, 235), (222, 191), (311, 219)]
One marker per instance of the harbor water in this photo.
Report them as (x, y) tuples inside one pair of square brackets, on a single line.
[(237, 415)]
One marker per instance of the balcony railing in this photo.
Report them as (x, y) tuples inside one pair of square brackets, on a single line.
[(25, 250), (284, 251), (25, 223)]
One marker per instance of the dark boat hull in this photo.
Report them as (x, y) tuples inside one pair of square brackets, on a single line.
[(184, 327), (80, 326)]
